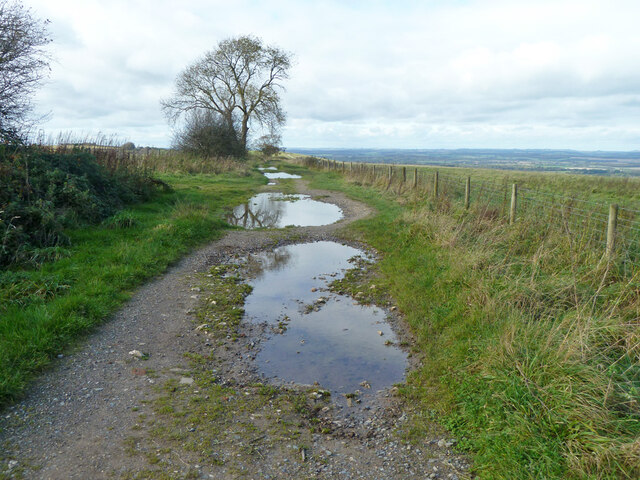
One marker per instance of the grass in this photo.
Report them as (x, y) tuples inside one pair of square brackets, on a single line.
[(43, 310), (529, 339)]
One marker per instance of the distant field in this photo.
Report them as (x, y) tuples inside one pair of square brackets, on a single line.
[(571, 161)]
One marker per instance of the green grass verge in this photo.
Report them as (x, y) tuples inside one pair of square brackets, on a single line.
[(529, 341), (43, 310)]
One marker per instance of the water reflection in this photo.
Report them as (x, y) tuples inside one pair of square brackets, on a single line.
[(327, 338), (276, 210), (275, 175)]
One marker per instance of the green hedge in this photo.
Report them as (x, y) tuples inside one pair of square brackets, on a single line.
[(42, 192)]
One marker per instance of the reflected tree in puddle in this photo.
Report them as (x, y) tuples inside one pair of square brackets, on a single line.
[(277, 210), (256, 266), (248, 216)]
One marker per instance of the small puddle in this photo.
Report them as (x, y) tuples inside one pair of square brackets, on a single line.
[(277, 210), (325, 337), (272, 176)]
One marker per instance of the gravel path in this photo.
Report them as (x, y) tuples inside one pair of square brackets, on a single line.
[(83, 418)]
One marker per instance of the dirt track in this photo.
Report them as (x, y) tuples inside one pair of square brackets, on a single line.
[(94, 414)]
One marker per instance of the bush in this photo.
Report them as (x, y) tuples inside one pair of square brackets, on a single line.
[(208, 135), (270, 145), (42, 192)]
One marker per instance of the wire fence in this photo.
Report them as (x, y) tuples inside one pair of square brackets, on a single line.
[(610, 227)]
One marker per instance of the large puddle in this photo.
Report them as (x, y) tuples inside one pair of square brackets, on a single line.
[(277, 210), (324, 337)]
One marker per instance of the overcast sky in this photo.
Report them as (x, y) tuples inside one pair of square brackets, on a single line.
[(374, 74)]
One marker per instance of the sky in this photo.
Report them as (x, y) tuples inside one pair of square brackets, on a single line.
[(365, 74)]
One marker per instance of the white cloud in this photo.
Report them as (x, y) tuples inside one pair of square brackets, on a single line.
[(489, 73)]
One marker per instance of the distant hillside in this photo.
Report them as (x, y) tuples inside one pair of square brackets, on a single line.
[(594, 163)]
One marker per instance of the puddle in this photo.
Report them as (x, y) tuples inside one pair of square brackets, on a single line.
[(272, 176), (277, 210), (339, 343)]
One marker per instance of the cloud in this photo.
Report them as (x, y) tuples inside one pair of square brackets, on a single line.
[(407, 73)]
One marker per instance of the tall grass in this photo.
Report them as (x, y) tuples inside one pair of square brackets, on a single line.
[(113, 154), (530, 337)]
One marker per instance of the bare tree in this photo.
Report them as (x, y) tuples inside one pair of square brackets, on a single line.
[(23, 65), (239, 80)]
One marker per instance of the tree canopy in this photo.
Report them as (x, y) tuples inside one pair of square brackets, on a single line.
[(23, 65), (239, 81)]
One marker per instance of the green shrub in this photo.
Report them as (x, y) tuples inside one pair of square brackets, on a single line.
[(43, 192)]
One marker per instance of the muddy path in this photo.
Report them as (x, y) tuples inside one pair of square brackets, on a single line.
[(153, 394)]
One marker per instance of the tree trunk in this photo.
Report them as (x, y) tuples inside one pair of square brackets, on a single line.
[(244, 132)]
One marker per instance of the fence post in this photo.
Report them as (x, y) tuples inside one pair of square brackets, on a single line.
[(415, 178), (343, 167), (404, 174), (435, 185), (611, 230), (514, 202), (390, 173), (351, 166), (467, 193), (374, 172)]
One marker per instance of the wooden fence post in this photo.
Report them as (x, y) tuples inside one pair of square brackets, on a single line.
[(611, 230), (467, 193), (415, 178), (343, 167), (435, 185), (390, 173), (404, 174), (514, 202)]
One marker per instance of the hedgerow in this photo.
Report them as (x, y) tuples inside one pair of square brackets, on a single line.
[(42, 192)]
